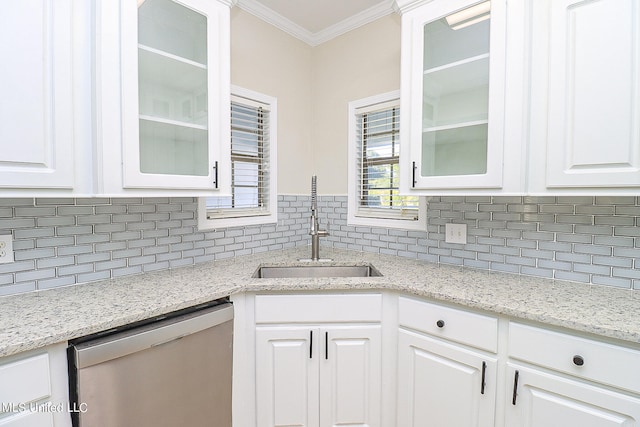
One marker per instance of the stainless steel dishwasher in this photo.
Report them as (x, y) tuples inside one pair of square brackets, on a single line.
[(174, 370)]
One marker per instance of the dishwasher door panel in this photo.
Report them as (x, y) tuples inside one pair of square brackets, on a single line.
[(182, 382)]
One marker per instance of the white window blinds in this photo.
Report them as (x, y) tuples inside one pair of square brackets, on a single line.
[(250, 160), (378, 163)]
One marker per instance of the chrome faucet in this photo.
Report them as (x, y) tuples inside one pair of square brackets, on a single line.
[(315, 231)]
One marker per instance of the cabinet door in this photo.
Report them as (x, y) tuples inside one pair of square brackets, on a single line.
[(287, 376), (36, 113), (594, 94), (175, 86), (350, 376), (441, 384), (453, 69), (539, 399)]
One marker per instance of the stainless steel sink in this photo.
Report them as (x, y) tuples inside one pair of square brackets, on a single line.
[(274, 272)]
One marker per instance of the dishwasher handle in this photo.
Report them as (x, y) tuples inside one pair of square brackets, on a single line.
[(131, 341)]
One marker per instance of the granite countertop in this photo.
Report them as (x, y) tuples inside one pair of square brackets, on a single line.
[(37, 319)]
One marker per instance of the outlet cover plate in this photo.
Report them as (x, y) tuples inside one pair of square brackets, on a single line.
[(455, 233), (6, 248)]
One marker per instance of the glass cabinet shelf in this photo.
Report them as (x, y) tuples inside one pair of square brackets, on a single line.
[(171, 87)]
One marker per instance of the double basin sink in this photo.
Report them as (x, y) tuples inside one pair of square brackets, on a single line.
[(275, 272)]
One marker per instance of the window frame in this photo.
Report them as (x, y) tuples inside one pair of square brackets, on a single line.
[(369, 216), (247, 216)]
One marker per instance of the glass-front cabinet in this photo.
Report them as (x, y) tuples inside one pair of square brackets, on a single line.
[(174, 85), (453, 68)]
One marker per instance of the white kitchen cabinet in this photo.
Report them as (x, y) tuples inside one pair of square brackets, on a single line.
[(441, 382), (309, 360), (585, 94), (36, 114), (34, 389), (557, 379), (548, 400), (454, 74), (318, 376), (162, 96)]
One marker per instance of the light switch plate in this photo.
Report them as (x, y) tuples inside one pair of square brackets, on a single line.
[(6, 248), (455, 233)]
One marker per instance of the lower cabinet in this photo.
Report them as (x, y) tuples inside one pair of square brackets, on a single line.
[(318, 359), (441, 384), (393, 360), (541, 399), (559, 379), (318, 375), (33, 389)]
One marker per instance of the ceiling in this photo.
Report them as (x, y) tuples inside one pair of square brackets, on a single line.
[(317, 21)]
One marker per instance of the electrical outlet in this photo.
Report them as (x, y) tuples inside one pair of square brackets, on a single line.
[(6, 249), (455, 233)]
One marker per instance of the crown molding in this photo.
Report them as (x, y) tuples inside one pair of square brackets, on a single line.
[(314, 39)]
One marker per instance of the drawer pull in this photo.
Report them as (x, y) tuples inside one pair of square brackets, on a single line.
[(515, 388), (440, 323), (578, 360), (484, 373)]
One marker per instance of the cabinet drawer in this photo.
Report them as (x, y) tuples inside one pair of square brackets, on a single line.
[(25, 380), (453, 324), (592, 360), (318, 308)]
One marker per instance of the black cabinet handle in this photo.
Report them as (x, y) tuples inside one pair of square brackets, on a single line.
[(578, 360), (440, 323), (326, 346), (310, 344), (414, 174), (215, 174), (484, 373), (515, 388)]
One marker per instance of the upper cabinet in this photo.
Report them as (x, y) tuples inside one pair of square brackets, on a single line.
[(454, 66), (533, 97), (585, 93), (36, 114), (162, 96)]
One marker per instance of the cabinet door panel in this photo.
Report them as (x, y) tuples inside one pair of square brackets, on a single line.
[(350, 376), (441, 385), (453, 95), (286, 377), (545, 400), (594, 126), (36, 115)]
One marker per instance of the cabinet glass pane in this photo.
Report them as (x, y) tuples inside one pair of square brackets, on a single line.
[(456, 93), (444, 45), (455, 151), (172, 28), (171, 89), (175, 150)]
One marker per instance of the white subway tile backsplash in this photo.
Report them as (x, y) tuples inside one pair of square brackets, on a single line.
[(60, 242)]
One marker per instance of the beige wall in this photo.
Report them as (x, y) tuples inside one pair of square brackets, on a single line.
[(267, 60), (313, 87), (358, 64)]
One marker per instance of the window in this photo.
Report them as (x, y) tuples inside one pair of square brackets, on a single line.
[(253, 198), (374, 165)]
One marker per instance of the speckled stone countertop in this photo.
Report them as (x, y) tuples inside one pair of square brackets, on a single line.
[(37, 319)]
